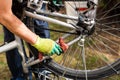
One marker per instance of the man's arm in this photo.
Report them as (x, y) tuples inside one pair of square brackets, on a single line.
[(8, 19)]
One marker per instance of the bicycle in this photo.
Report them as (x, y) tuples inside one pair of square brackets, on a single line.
[(93, 38)]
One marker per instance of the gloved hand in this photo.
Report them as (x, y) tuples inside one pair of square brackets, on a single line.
[(47, 46)]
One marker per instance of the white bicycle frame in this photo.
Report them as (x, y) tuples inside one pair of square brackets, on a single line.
[(18, 44)]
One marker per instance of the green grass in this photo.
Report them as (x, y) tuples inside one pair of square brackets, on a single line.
[(4, 71), (1, 34)]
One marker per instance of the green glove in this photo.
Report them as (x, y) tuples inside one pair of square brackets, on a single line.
[(47, 46)]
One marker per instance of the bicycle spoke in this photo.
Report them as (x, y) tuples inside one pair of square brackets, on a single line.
[(100, 56), (105, 5), (91, 49), (108, 32), (109, 10), (109, 40), (106, 46), (71, 59), (103, 52), (110, 23), (108, 27), (103, 12), (96, 49), (109, 17)]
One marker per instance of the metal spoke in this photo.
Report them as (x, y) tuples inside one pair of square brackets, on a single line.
[(109, 10), (109, 28), (109, 32), (108, 17), (102, 57), (106, 46), (109, 40), (105, 5), (109, 23)]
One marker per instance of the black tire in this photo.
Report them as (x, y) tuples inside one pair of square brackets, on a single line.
[(80, 74)]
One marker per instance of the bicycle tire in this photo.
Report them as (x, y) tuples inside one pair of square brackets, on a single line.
[(92, 75)]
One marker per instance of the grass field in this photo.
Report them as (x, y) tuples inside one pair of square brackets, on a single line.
[(5, 73)]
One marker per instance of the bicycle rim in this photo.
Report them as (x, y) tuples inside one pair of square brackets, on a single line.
[(99, 56)]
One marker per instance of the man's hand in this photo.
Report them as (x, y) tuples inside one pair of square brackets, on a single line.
[(47, 46)]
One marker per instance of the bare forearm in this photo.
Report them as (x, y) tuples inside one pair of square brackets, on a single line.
[(17, 27)]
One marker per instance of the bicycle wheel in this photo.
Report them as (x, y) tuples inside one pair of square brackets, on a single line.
[(95, 55)]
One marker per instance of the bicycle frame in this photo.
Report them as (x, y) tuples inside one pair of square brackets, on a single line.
[(17, 43)]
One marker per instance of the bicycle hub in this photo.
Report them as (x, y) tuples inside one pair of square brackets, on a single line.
[(87, 24)]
